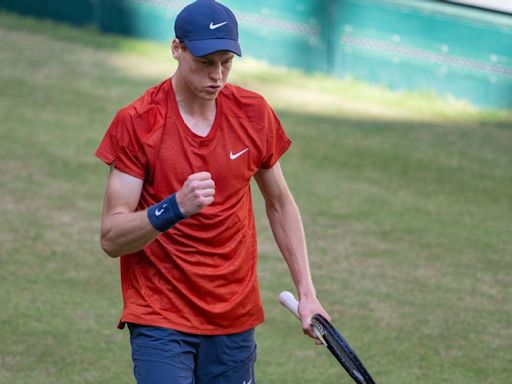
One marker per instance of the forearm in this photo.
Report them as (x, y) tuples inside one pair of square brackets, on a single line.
[(126, 232), (286, 224)]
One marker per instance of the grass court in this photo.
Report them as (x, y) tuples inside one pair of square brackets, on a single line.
[(406, 200)]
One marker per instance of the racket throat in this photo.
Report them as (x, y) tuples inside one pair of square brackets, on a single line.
[(319, 336)]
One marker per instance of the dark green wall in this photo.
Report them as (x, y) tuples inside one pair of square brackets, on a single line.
[(427, 45)]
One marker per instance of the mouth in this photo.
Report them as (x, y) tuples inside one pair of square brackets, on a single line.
[(213, 88)]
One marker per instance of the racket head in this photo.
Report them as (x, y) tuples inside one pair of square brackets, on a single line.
[(341, 349)]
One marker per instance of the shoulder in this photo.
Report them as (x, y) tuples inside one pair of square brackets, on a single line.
[(244, 103), (145, 115), (235, 92)]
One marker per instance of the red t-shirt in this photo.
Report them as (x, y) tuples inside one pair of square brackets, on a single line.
[(200, 276)]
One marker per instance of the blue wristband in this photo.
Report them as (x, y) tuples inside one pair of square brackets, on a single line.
[(165, 214)]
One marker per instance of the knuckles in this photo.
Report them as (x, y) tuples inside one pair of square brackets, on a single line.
[(198, 192)]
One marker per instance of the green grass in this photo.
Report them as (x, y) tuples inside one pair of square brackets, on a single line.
[(406, 199)]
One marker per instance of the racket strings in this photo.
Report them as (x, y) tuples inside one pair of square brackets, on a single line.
[(340, 348)]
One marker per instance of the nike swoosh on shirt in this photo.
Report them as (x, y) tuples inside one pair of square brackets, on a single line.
[(233, 156), (215, 26)]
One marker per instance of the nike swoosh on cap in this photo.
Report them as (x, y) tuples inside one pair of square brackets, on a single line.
[(215, 26)]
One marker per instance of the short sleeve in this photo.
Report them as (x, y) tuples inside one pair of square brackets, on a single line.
[(277, 142), (122, 144)]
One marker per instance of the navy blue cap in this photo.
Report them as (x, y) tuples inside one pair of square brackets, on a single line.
[(206, 26)]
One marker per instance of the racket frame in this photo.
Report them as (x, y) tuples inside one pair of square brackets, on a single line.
[(333, 340)]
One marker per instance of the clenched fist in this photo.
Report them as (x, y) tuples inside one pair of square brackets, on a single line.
[(197, 192)]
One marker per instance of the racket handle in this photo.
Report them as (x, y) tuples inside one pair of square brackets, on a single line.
[(289, 301)]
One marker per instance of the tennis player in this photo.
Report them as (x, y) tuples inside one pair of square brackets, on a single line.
[(178, 211)]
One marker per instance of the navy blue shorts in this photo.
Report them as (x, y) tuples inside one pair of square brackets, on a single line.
[(165, 356)]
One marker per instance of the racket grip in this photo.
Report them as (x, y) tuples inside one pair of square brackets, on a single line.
[(289, 301)]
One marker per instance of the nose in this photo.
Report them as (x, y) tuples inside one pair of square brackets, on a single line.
[(216, 72)]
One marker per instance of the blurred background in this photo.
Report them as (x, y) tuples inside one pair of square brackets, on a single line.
[(461, 49), (400, 114)]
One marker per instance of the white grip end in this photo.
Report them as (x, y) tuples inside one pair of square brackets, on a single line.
[(289, 301)]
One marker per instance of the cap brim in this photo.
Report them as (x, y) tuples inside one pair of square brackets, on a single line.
[(200, 48)]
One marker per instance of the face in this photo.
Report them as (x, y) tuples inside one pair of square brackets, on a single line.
[(203, 76)]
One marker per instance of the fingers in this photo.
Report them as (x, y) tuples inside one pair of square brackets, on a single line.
[(200, 176), (307, 309), (309, 331), (197, 192)]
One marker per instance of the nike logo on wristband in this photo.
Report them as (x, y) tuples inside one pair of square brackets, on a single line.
[(158, 212), (233, 156)]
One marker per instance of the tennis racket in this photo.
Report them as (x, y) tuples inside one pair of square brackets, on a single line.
[(333, 340)]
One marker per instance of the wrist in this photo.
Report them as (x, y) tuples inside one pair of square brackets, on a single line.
[(180, 204), (165, 214), (306, 293)]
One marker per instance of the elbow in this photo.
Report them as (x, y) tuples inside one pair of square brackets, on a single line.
[(273, 209), (108, 249), (278, 204), (107, 245)]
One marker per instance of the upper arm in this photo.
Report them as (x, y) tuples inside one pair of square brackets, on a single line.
[(122, 194), (272, 184)]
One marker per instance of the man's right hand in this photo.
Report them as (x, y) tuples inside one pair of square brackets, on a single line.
[(197, 192)]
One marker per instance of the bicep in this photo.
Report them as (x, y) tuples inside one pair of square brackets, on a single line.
[(272, 184), (122, 194)]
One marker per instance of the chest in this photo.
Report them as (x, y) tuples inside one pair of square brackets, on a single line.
[(231, 152)]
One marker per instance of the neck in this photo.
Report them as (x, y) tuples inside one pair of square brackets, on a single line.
[(198, 114), (189, 103)]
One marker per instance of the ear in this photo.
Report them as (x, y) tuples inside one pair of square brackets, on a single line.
[(176, 49)]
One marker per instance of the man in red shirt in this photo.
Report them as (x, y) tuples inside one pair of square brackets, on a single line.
[(178, 211)]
